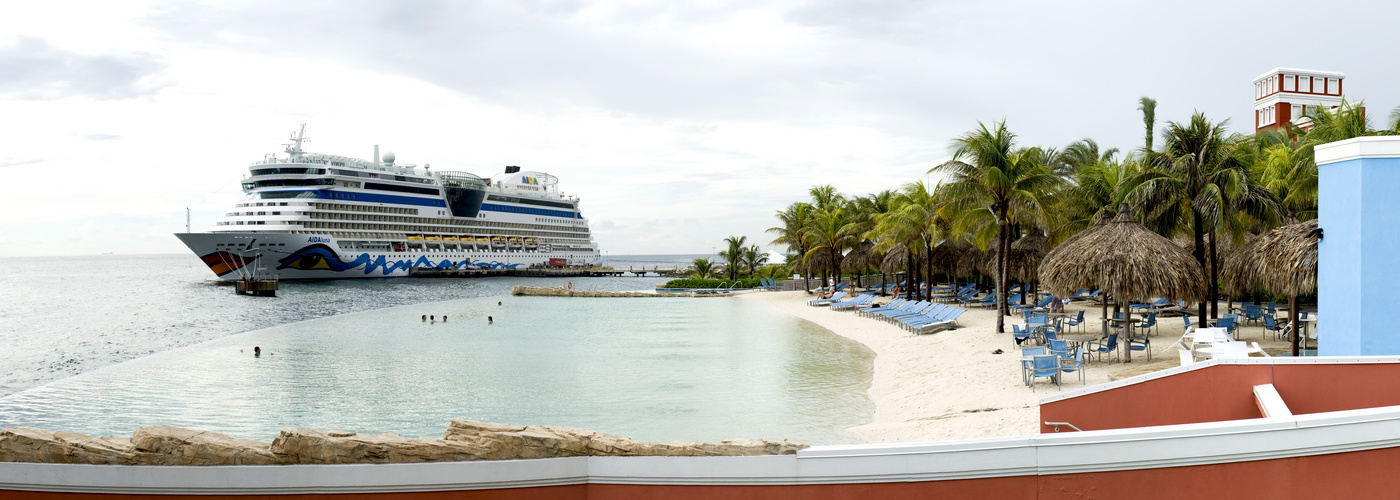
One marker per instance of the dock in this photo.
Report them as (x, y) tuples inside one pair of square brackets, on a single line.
[(256, 287)]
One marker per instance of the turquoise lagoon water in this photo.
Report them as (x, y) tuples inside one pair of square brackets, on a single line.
[(654, 369)]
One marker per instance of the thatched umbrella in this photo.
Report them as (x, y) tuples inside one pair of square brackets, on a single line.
[(1238, 268), (895, 261), (861, 257), (945, 257), (1286, 260), (1027, 254), (1127, 261), (968, 261)]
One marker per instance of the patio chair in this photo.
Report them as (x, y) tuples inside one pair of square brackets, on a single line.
[(1045, 366), (1077, 321), (1021, 333), (1074, 364), (1270, 326), (1107, 346), (1253, 313), (1141, 344), (1186, 356), (1059, 348), (1027, 353), (1227, 321), (1149, 323)]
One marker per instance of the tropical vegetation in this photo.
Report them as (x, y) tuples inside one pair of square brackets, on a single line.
[(1197, 184)]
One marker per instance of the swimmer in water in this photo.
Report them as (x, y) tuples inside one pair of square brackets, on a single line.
[(425, 318), (257, 351), (444, 318), (489, 320)]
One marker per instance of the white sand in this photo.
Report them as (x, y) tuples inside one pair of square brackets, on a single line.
[(949, 385)]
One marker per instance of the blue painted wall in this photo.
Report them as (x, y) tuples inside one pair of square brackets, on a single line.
[(1359, 257)]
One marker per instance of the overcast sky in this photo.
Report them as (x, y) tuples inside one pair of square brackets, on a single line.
[(677, 123)]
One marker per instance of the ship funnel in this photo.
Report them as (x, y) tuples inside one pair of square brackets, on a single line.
[(376, 153), (510, 169)]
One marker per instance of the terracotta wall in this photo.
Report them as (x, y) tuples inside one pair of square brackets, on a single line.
[(1226, 392)]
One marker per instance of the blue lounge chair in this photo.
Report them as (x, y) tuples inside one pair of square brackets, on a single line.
[(1083, 293), (993, 302), (918, 310), (892, 304), (881, 312), (1044, 302), (973, 299), (859, 300), (947, 319), (834, 298)]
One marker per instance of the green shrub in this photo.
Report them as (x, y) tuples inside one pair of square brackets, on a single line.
[(697, 283)]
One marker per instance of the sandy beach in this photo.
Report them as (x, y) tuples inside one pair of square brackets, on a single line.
[(950, 385)]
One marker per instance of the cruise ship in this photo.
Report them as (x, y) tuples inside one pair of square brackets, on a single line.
[(319, 216)]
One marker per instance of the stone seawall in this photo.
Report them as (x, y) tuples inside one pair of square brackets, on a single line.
[(464, 440), (559, 291)]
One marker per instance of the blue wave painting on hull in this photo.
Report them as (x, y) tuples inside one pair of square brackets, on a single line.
[(322, 257)]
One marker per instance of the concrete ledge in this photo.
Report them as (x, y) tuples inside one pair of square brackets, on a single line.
[(1357, 148)]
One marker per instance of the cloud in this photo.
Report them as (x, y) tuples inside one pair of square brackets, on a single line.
[(15, 163), (32, 69)]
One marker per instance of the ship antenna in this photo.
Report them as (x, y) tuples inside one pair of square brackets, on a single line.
[(187, 219), (298, 137)]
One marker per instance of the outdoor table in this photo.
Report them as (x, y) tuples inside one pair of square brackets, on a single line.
[(1221, 351), (1079, 340), (1128, 324)]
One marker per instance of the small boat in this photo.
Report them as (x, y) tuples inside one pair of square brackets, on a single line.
[(532, 243), (514, 243), (415, 237), (498, 242)]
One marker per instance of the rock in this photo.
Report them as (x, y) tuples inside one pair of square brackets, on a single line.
[(309, 446), (21, 444), (505, 442), (464, 440), (167, 445)]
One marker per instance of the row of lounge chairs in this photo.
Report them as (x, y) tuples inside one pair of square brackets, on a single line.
[(918, 317)]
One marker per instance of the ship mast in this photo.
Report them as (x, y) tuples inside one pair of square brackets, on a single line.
[(298, 137)]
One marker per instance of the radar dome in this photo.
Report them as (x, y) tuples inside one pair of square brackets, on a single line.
[(388, 157)]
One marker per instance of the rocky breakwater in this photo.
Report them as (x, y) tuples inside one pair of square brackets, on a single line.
[(559, 291), (464, 440)]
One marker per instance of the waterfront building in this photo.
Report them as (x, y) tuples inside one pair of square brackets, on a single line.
[(1284, 95)]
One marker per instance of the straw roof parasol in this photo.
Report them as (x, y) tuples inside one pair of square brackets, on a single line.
[(1125, 259), (1286, 259), (1027, 254), (861, 257), (821, 260), (896, 260), (946, 256), (968, 262), (1239, 273)]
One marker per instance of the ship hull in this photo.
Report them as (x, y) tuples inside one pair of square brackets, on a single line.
[(232, 255)]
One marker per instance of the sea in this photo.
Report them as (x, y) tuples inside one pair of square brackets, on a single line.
[(104, 344)]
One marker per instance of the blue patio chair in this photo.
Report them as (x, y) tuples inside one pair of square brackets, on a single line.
[(1253, 313), (1150, 323), (1109, 347), (1027, 353), (1271, 326), (1077, 321), (1021, 333), (1045, 366), (1059, 348), (1227, 321), (1141, 344), (1074, 364)]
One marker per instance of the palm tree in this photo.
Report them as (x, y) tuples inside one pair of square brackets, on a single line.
[(1096, 190), (1198, 181), (796, 221), (830, 235), (734, 256), (1346, 122), (1084, 152), (987, 175), (1148, 106), (704, 269), (753, 259)]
